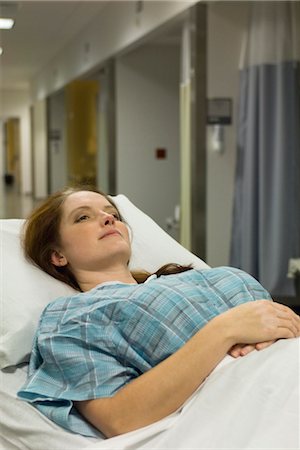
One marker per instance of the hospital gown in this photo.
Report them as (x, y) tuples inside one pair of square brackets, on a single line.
[(92, 344)]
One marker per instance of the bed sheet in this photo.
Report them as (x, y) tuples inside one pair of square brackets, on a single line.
[(24, 427), (251, 403), (248, 403)]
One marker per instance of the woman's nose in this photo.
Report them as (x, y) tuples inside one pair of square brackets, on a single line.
[(107, 219)]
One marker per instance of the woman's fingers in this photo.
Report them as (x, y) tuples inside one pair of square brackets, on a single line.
[(291, 326), (262, 321), (248, 348), (282, 319), (288, 319), (234, 351), (286, 312), (268, 322), (262, 345), (241, 350), (244, 349)]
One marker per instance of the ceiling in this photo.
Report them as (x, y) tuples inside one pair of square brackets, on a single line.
[(41, 29)]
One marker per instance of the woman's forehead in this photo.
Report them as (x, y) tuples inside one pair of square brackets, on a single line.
[(84, 198)]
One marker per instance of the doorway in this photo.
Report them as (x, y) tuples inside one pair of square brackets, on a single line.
[(57, 155), (12, 152), (148, 142)]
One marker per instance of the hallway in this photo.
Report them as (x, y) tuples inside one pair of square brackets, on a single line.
[(14, 205)]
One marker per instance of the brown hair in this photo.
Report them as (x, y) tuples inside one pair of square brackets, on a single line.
[(41, 237), (167, 269)]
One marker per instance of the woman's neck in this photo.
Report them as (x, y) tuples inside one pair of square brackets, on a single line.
[(89, 280)]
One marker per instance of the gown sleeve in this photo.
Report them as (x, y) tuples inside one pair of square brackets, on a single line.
[(76, 361)]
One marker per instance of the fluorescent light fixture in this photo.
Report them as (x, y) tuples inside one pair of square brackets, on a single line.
[(6, 24)]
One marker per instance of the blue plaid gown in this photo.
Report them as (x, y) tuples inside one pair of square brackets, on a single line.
[(92, 344)]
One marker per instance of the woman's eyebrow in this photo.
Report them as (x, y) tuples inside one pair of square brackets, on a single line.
[(79, 208), (89, 208), (110, 207)]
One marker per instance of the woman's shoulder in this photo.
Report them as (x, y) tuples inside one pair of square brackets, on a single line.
[(63, 310), (61, 307), (220, 269), (209, 273), (64, 301)]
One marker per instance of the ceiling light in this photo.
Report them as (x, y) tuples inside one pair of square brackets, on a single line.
[(6, 24), (1, 51)]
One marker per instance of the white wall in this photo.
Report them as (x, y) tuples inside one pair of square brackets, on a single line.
[(40, 149), (57, 142), (147, 98), (227, 23), (15, 103), (117, 27)]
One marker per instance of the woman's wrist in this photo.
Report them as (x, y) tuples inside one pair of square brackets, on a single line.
[(225, 327)]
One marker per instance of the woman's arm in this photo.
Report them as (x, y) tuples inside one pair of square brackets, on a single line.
[(163, 389)]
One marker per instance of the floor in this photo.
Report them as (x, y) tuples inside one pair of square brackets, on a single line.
[(13, 205)]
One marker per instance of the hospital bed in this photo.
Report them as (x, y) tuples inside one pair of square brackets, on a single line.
[(245, 403)]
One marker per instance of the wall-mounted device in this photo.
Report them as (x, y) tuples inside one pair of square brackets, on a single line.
[(219, 114)]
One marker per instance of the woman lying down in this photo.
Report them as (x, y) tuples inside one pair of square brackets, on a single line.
[(130, 348)]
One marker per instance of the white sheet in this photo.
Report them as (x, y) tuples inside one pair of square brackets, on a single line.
[(248, 403), (251, 403), (24, 427)]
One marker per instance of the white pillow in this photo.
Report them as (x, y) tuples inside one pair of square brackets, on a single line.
[(152, 247), (25, 290)]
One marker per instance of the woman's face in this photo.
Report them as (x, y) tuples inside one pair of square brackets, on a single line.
[(92, 237)]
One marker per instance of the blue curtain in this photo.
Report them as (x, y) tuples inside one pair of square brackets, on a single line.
[(266, 216)]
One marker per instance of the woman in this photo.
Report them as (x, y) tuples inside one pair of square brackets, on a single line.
[(120, 354)]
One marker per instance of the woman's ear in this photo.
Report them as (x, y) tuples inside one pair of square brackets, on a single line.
[(57, 259)]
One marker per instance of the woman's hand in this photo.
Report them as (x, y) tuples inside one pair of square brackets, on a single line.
[(260, 323), (243, 349)]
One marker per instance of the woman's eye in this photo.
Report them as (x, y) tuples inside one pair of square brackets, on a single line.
[(82, 218), (115, 214)]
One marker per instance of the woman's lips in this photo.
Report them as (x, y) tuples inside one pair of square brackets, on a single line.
[(110, 233)]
